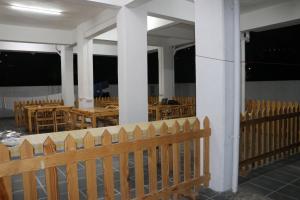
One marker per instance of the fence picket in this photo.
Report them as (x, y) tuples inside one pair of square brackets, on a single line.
[(152, 162), (90, 169), (187, 153), (164, 159), (51, 173), (138, 163), (124, 173), (5, 182), (176, 158), (29, 181), (108, 168), (71, 170), (206, 151)]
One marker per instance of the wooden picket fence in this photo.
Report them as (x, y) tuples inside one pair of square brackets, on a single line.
[(270, 132), (183, 100), (163, 112), (19, 111), (162, 146)]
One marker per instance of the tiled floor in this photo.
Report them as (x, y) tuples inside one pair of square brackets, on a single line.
[(279, 181)]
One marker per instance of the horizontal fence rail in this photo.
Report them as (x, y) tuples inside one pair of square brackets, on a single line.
[(269, 133), (171, 155)]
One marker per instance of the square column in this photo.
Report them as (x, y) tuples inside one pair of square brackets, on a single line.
[(166, 72), (214, 26), (67, 78), (85, 73), (132, 65)]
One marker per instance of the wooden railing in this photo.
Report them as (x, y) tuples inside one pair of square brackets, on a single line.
[(19, 108), (166, 141), (268, 133), (163, 112)]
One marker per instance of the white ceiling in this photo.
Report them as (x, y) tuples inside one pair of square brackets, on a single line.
[(78, 11), (250, 5), (74, 13)]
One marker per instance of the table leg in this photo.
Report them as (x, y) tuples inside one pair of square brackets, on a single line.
[(94, 122), (29, 122)]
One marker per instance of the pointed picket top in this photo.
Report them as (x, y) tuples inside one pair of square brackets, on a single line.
[(106, 137), (88, 140), (123, 136), (49, 146), (186, 125), (137, 133), (4, 153), (206, 122), (70, 143), (163, 129), (151, 131), (196, 126), (26, 149), (175, 127)]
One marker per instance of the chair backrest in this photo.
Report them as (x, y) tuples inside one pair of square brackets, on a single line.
[(44, 114)]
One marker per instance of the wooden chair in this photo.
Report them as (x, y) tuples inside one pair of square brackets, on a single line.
[(44, 118), (78, 120), (62, 119)]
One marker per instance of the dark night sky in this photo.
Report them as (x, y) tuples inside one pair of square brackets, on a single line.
[(37, 69), (274, 55), (270, 55)]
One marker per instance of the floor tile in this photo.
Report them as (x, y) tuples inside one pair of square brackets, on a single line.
[(291, 191), (265, 182), (279, 196), (207, 192), (281, 176), (250, 188)]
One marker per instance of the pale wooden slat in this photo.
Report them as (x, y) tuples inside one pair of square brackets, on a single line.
[(206, 151), (124, 172), (197, 155), (187, 154), (90, 169), (29, 181), (152, 162), (138, 163), (71, 171), (108, 168), (164, 158), (51, 173), (5, 182), (176, 158)]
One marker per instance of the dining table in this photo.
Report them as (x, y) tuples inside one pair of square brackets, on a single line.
[(99, 112), (31, 109)]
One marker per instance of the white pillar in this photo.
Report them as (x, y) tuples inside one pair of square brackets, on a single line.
[(166, 72), (132, 65), (67, 78), (85, 73), (243, 72), (214, 26)]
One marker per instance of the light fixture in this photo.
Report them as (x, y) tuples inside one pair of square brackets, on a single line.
[(36, 9)]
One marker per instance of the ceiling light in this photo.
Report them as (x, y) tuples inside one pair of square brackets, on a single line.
[(36, 9)]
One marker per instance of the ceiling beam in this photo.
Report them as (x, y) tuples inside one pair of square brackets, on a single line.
[(120, 3), (36, 35), (276, 16)]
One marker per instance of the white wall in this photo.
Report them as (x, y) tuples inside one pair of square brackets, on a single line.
[(273, 90)]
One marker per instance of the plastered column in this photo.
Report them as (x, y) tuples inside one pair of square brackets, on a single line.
[(67, 79), (132, 65)]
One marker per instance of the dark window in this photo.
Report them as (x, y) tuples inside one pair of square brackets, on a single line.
[(274, 55), (153, 68), (29, 69), (43, 69), (185, 66)]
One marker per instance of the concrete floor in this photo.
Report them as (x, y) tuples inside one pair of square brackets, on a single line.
[(279, 181)]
